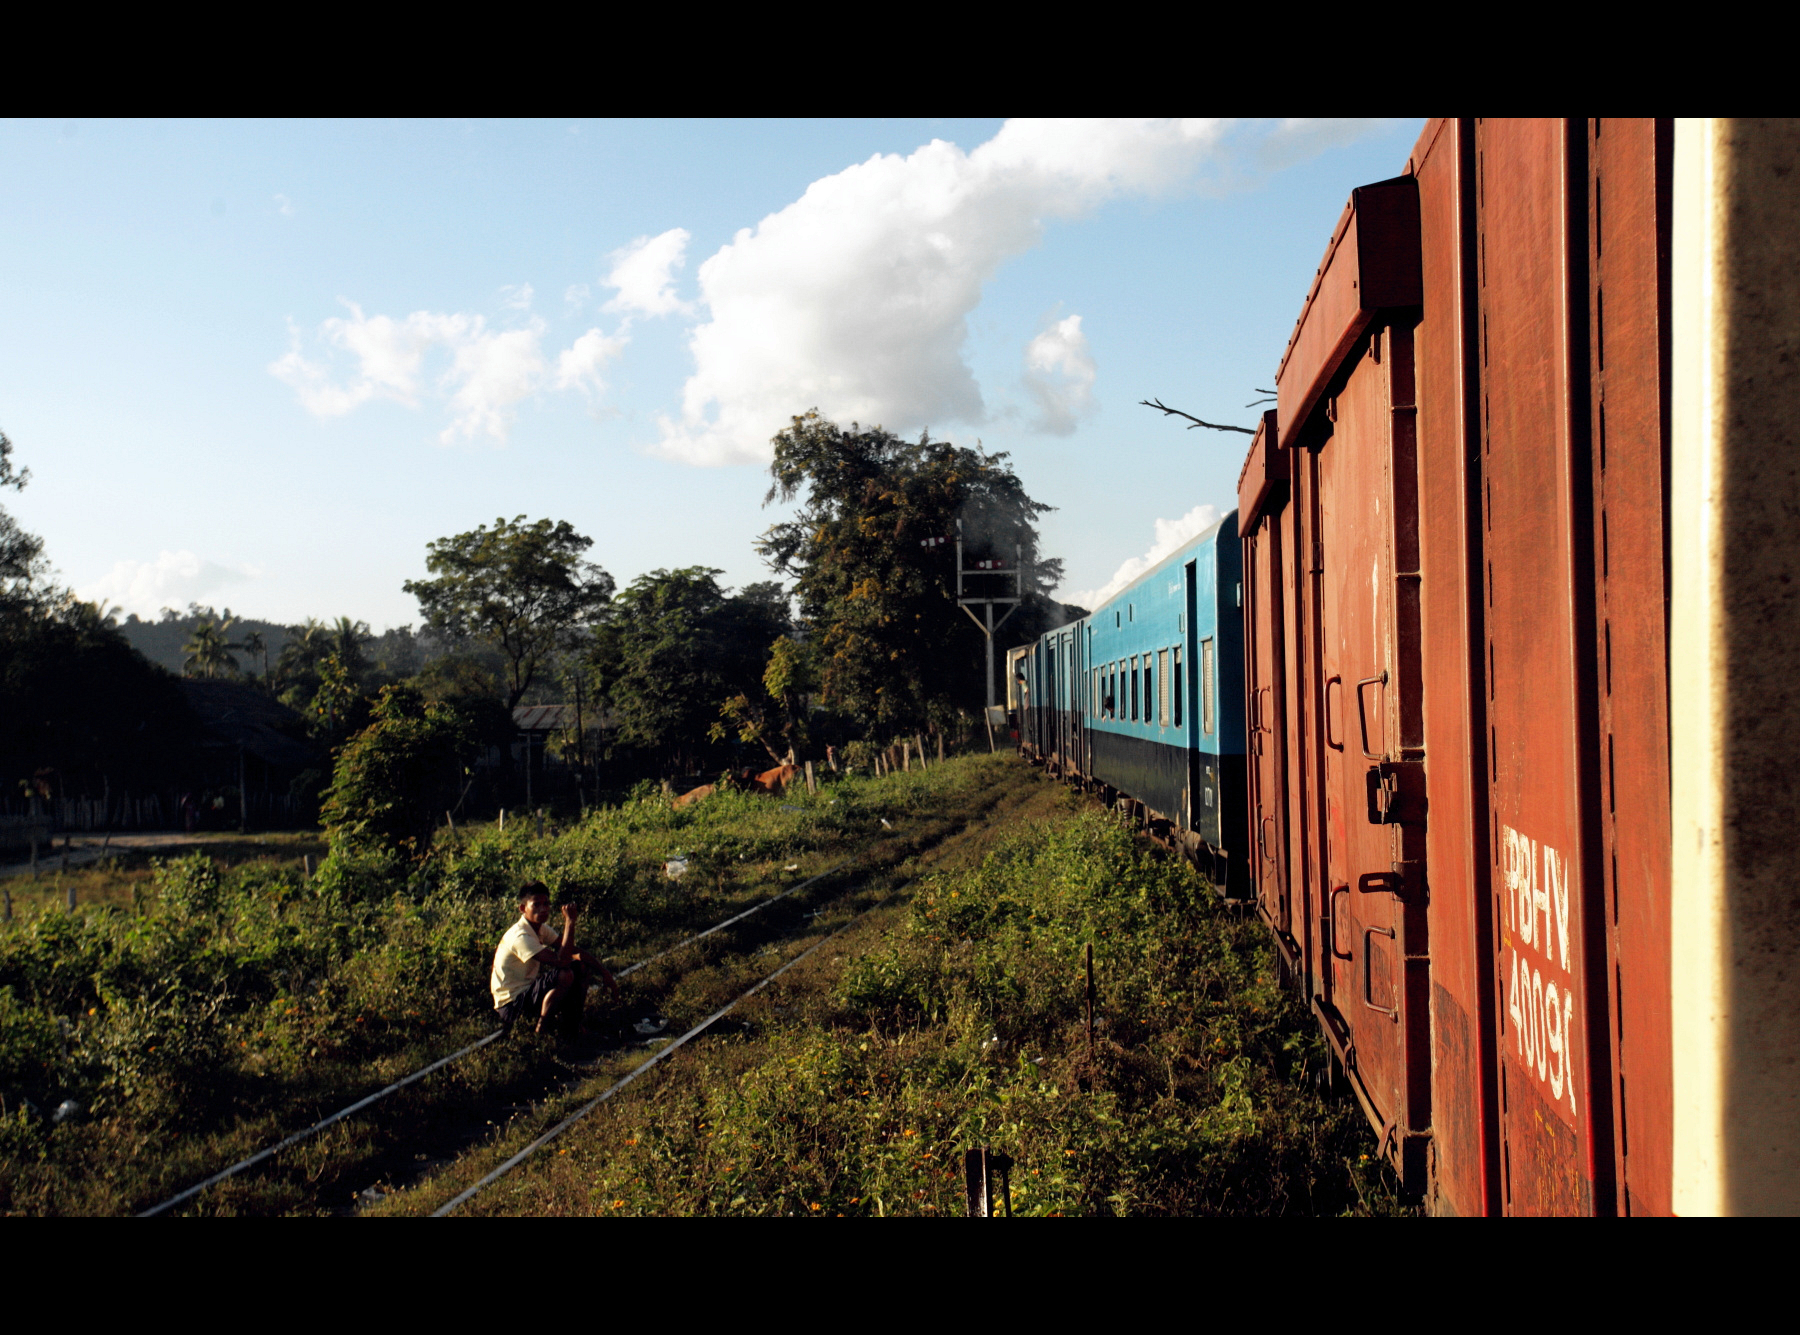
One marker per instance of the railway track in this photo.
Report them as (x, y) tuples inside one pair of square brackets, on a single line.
[(368, 1101)]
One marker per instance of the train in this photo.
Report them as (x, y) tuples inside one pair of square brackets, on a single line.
[(1488, 682)]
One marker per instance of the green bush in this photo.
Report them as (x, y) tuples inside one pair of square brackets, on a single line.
[(395, 779)]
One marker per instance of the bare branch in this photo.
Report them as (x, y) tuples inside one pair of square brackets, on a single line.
[(1164, 408)]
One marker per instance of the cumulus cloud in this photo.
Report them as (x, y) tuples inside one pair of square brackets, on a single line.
[(643, 274), (579, 365), (1059, 375), (1170, 535), (173, 579), (855, 298), (485, 372), (516, 296)]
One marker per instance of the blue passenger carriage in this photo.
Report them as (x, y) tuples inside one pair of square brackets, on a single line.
[(1143, 700)]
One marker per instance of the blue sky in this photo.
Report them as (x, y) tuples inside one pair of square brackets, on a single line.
[(263, 364)]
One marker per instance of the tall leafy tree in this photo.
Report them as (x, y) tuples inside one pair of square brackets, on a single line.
[(675, 646), (870, 549), (519, 587), (22, 565), (78, 705)]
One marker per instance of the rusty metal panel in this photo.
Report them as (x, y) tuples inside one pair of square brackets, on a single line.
[(1264, 482), (1628, 163), (1375, 961), (1371, 264), (1551, 993), (1464, 1094)]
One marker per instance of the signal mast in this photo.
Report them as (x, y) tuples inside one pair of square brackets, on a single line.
[(986, 571)]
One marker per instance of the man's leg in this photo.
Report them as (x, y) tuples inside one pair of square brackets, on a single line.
[(574, 1004), (554, 997)]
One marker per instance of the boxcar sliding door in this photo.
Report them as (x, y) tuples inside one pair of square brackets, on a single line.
[(1347, 388), (1262, 498)]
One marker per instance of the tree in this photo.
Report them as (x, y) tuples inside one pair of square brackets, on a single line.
[(22, 564), (519, 587), (872, 555), (395, 778), (77, 702), (209, 652), (256, 646), (776, 717), (345, 639), (675, 645)]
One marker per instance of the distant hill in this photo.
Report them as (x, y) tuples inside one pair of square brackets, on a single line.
[(160, 641), (398, 652)]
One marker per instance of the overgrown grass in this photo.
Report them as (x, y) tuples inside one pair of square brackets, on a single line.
[(855, 1084), (196, 1011)]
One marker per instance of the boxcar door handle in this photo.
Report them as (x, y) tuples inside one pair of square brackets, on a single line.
[(1331, 923), (1393, 1013), (1329, 683), (1362, 714)]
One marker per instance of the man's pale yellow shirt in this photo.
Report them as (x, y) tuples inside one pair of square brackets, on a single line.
[(516, 962)]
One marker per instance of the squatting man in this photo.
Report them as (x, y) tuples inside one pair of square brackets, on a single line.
[(540, 972)]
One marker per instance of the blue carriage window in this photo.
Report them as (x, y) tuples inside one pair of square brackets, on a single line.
[(1134, 688), (1178, 691), (1162, 688)]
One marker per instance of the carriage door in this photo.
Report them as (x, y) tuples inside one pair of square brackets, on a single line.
[(1374, 962), (1267, 730)]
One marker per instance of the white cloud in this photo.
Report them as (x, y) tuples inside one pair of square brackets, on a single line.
[(284, 206), (1170, 535), (173, 579), (489, 371), (579, 365), (516, 296), (575, 296), (855, 298), (644, 274), (492, 372), (1059, 374)]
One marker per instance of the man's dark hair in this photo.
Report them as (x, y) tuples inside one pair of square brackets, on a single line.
[(531, 890)]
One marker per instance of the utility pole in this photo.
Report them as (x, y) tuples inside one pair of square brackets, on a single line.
[(989, 570)]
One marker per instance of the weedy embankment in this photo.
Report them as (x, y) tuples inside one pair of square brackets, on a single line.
[(854, 1085), (197, 1011)]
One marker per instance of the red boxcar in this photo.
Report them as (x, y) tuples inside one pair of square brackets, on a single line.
[(1454, 531)]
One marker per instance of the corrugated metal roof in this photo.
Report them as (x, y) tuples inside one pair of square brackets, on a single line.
[(546, 718)]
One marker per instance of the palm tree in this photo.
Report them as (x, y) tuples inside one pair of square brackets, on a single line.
[(346, 639), (254, 644), (209, 652)]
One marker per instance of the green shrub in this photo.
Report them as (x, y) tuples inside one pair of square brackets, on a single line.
[(187, 886)]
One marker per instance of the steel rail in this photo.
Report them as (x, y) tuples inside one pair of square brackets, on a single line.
[(624, 1080), (720, 926), (318, 1126), (482, 1042)]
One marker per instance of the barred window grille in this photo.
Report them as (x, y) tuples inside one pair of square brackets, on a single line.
[(1206, 686), (1162, 687)]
